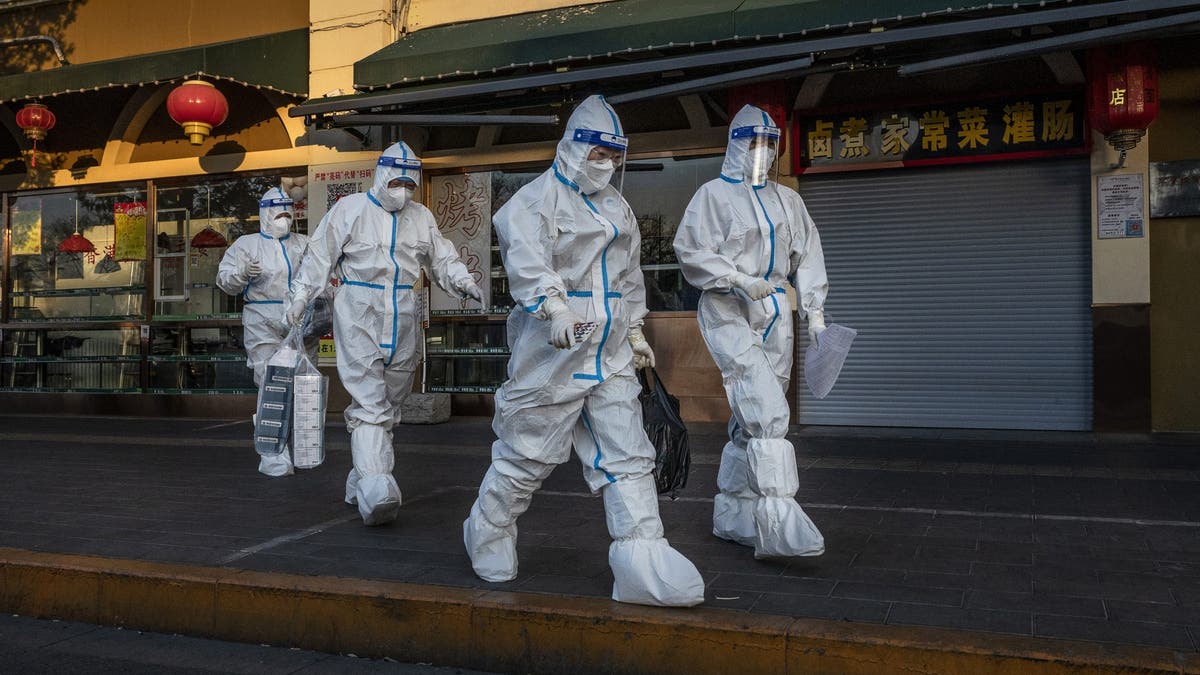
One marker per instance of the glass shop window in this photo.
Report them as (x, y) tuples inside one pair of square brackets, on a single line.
[(70, 360), (504, 185), (78, 256), (194, 226), (658, 191)]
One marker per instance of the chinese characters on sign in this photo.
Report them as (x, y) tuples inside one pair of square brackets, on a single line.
[(130, 225), (1175, 189), (942, 133), (462, 205), (1120, 206), (328, 183)]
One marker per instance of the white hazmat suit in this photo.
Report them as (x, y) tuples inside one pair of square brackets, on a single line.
[(571, 249), (259, 267), (741, 239), (379, 241)]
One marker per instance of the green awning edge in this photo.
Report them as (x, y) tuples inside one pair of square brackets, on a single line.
[(573, 34), (569, 33), (278, 62)]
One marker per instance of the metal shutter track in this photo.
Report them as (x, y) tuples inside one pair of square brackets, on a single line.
[(970, 288)]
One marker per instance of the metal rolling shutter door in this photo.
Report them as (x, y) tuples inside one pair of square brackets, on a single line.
[(970, 288)]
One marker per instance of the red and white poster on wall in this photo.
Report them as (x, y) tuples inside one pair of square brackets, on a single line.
[(328, 183)]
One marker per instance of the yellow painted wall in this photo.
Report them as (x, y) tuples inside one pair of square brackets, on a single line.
[(1175, 267), (344, 32), (97, 30), (1120, 267), (428, 13)]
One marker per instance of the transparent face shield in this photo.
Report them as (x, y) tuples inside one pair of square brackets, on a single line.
[(402, 175), (763, 147), (605, 160), (276, 215)]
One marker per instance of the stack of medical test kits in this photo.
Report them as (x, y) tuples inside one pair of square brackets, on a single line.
[(308, 432), (272, 421)]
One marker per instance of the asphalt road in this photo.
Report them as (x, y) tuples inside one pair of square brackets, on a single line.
[(37, 647)]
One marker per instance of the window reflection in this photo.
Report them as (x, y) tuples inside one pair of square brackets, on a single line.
[(194, 226), (659, 191), (78, 256)]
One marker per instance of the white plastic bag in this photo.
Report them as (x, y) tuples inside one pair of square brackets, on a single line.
[(824, 358)]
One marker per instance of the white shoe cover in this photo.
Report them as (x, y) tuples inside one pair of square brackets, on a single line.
[(276, 465), (352, 487), (782, 529), (733, 518), (493, 550), (377, 494), (733, 507), (646, 570), (378, 499)]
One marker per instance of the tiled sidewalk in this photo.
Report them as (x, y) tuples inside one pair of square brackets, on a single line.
[(1078, 536)]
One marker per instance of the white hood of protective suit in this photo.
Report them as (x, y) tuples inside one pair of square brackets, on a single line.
[(398, 161), (274, 202), (734, 166), (594, 114)]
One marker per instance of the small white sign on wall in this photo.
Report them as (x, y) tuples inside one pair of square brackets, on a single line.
[(328, 183), (1120, 206)]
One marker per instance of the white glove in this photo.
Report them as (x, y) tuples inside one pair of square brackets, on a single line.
[(295, 312), (816, 323), (562, 323), (253, 269), (643, 356), (755, 288), (472, 290)]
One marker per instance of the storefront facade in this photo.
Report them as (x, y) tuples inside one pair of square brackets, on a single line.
[(983, 293)]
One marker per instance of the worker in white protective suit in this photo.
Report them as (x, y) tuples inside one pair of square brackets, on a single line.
[(742, 238), (572, 251), (259, 268), (379, 240)]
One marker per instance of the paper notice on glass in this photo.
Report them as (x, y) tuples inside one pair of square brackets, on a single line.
[(824, 358)]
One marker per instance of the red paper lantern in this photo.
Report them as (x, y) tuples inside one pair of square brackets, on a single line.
[(1123, 92), (770, 96), (35, 119), (197, 106)]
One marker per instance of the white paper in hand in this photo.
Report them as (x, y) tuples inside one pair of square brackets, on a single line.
[(823, 359)]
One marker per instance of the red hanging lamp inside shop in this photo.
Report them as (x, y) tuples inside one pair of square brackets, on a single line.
[(1123, 93), (35, 120), (77, 243), (209, 238), (197, 106)]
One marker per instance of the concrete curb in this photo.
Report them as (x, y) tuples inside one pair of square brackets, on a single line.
[(519, 632)]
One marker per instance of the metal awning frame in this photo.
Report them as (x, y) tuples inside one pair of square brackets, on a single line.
[(789, 50), (1087, 38)]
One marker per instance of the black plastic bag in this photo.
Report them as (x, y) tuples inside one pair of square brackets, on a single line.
[(667, 433), (318, 321)]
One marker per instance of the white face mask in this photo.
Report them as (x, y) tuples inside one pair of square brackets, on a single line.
[(279, 227), (394, 198), (758, 164), (596, 174), (399, 195)]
